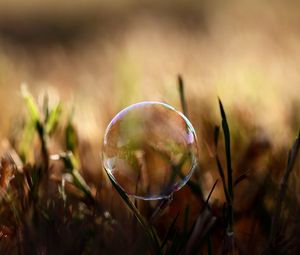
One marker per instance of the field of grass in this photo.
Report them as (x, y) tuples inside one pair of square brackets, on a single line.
[(67, 69), (51, 204)]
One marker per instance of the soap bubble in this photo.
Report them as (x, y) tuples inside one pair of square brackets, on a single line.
[(150, 150)]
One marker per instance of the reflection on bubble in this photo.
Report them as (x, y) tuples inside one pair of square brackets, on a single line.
[(150, 150)]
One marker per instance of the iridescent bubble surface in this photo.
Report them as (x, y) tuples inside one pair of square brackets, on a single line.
[(150, 150)]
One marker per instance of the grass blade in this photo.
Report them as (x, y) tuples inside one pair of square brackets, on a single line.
[(170, 231), (241, 178), (53, 118), (71, 166), (201, 228), (293, 153), (145, 225), (30, 104), (221, 172), (211, 191), (226, 133), (182, 96)]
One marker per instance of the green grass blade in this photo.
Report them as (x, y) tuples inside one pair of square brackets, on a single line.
[(27, 140), (219, 165), (226, 132), (46, 107), (30, 104), (71, 165), (71, 137), (81, 184), (31, 123), (53, 119)]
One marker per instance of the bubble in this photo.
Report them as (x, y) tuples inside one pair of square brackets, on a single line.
[(150, 150)]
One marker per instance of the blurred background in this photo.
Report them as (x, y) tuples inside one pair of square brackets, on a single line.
[(103, 55)]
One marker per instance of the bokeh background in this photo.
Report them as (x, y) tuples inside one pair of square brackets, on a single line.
[(103, 55)]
